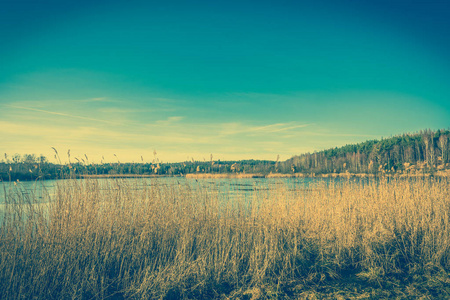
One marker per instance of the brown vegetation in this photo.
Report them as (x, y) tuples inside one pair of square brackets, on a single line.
[(224, 175), (122, 176), (387, 238)]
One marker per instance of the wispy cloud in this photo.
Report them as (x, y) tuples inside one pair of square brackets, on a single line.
[(31, 128), (169, 121), (119, 110), (338, 134), (98, 100), (279, 127), (62, 114), (241, 128), (175, 119)]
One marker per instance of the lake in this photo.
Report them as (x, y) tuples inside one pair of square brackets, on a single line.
[(40, 193), (241, 186)]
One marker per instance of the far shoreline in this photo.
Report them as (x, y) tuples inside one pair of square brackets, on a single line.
[(345, 175), (445, 173)]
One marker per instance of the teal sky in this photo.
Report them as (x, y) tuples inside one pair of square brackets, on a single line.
[(236, 79)]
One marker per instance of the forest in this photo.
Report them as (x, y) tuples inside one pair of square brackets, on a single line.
[(426, 151)]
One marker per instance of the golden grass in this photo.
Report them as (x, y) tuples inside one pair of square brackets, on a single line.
[(224, 175), (123, 176), (112, 239)]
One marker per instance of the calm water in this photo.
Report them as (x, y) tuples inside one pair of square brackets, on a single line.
[(39, 192), (40, 189)]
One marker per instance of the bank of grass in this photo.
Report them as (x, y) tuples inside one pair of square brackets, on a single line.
[(115, 239)]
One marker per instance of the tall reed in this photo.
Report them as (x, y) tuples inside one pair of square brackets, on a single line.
[(98, 239)]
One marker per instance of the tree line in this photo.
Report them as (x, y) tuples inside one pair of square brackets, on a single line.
[(32, 167), (427, 151)]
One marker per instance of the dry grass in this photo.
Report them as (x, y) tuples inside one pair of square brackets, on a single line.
[(224, 175), (112, 240), (122, 176)]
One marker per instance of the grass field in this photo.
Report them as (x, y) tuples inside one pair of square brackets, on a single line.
[(111, 240)]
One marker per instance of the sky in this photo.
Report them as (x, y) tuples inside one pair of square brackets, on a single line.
[(123, 80)]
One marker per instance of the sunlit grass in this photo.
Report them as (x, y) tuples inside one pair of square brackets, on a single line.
[(98, 239)]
